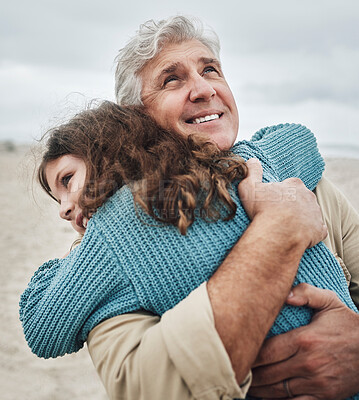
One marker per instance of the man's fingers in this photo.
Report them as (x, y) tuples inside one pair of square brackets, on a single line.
[(270, 374), (255, 171), (298, 388), (276, 349), (306, 398), (247, 187), (313, 297)]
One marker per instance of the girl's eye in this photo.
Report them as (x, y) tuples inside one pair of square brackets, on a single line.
[(65, 180)]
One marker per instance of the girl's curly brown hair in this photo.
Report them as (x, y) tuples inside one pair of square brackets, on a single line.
[(173, 177)]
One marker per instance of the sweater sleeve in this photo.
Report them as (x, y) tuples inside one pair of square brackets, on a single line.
[(68, 297), (291, 149)]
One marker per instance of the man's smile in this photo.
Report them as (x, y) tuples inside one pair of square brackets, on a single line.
[(205, 118), (184, 90)]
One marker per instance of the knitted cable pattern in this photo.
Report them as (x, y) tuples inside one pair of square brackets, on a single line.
[(126, 263)]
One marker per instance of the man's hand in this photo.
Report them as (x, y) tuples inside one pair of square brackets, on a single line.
[(289, 200), (251, 285), (318, 361)]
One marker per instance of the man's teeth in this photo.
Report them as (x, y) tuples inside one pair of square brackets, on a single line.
[(84, 222), (205, 119)]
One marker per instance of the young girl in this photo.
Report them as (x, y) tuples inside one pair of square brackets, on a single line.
[(143, 197)]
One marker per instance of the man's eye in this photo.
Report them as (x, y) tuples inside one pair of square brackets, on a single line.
[(169, 79), (65, 180), (209, 69)]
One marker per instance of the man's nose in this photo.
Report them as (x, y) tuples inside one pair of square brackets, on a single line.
[(66, 208), (201, 89)]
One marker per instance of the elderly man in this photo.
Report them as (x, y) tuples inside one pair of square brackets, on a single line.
[(205, 347)]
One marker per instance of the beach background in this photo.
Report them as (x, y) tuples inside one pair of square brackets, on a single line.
[(285, 61), (32, 233)]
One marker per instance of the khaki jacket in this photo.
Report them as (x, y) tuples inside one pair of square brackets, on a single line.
[(139, 356)]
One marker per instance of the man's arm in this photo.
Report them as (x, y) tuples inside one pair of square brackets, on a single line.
[(138, 353), (324, 355), (333, 340), (249, 288), (139, 356), (342, 220)]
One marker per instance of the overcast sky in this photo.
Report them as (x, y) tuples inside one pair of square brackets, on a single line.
[(285, 60)]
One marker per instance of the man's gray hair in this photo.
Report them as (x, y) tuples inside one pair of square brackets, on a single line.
[(147, 43)]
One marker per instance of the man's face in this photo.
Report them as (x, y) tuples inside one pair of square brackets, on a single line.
[(183, 89)]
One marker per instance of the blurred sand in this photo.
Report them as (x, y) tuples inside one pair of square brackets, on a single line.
[(32, 233)]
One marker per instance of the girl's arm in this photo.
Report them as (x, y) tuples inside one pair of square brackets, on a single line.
[(68, 297)]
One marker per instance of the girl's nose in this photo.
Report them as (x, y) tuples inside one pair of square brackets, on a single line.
[(66, 207)]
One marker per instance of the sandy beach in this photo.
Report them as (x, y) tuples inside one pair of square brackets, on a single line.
[(33, 233)]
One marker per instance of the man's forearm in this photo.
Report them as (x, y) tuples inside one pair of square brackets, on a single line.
[(249, 288), (182, 349)]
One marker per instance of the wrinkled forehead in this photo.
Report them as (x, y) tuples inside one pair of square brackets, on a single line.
[(173, 55)]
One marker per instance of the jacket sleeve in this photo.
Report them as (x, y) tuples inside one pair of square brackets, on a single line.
[(180, 356), (342, 221), (67, 297)]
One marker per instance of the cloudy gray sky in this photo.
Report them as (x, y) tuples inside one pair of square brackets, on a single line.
[(286, 60)]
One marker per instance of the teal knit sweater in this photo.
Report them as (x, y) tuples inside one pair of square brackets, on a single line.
[(125, 263)]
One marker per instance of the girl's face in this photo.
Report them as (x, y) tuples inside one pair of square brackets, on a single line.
[(66, 177)]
